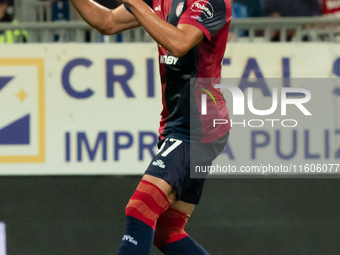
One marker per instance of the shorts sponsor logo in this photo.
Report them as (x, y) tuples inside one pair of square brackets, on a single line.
[(179, 9), (159, 163), (203, 6), (22, 132)]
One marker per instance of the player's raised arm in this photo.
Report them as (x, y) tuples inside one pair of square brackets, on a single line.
[(177, 40), (106, 21)]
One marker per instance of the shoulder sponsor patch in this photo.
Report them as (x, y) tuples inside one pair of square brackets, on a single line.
[(203, 6)]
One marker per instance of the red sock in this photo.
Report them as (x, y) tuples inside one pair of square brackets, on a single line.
[(142, 212), (147, 203), (170, 227)]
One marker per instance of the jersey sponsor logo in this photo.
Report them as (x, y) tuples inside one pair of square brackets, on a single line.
[(158, 8), (203, 6), (159, 163), (129, 239), (179, 9), (169, 60)]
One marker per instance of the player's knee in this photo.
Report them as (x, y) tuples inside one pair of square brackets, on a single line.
[(168, 189), (147, 203), (170, 227), (183, 207)]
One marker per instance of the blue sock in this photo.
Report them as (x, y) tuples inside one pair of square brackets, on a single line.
[(138, 238), (185, 246)]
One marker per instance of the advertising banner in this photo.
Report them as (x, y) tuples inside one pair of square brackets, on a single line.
[(95, 108)]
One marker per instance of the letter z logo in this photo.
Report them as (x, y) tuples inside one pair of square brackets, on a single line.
[(22, 107)]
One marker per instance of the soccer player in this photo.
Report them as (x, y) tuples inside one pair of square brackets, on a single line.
[(192, 37)]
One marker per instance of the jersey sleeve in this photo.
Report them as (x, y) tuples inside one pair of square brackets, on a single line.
[(148, 2), (207, 15)]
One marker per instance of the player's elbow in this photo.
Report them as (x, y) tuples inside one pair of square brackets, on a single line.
[(107, 31), (107, 27), (179, 51), (103, 31), (180, 47)]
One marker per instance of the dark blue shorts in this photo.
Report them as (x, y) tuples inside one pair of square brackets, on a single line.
[(173, 161)]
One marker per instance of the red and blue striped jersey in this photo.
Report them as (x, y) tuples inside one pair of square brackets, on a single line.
[(181, 97)]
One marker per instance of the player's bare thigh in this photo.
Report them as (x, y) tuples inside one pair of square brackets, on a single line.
[(170, 192)]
